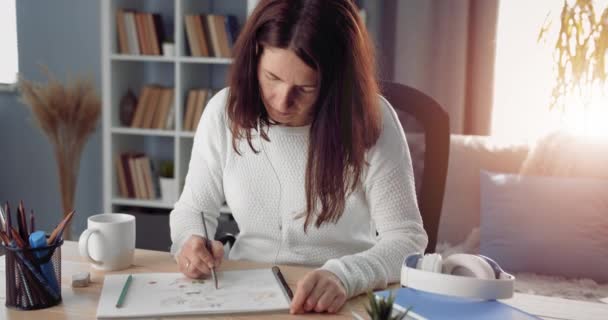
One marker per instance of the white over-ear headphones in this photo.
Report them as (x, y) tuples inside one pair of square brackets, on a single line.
[(463, 275)]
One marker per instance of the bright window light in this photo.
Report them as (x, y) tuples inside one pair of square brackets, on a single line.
[(9, 62), (524, 76)]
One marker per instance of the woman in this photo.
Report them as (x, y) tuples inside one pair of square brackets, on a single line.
[(310, 159)]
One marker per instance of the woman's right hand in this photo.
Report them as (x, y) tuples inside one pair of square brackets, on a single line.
[(195, 261)]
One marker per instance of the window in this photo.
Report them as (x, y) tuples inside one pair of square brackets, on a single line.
[(524, 74), (9, 62)]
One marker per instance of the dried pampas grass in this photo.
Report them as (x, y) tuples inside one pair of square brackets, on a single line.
[(68, 115)]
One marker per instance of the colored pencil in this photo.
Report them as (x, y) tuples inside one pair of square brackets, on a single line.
[(4, 238), (22, 221), (209, 249), (123, 293), (32, 222), (58, 231), (2, 219), (9, 225), (25, 284), (45, 285), (18, 241)]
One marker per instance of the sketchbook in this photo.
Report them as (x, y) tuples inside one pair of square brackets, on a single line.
[(172, 294)]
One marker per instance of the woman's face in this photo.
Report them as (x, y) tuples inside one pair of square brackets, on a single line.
[(288, 87)]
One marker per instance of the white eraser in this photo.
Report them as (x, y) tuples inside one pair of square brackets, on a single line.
[(81, 279)]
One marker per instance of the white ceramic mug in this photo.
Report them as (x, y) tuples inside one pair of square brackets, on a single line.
[(109, 241)]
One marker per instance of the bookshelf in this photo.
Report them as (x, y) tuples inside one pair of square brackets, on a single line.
[(180, 71)]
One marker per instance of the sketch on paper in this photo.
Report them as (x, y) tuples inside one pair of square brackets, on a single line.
[(157, 294)]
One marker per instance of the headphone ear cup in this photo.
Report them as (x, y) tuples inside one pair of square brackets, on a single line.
[(431, 262), (468, 265)]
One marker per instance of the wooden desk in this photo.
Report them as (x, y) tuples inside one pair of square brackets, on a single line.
[(81, 303)]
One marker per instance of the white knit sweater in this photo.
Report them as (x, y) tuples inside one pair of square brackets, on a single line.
[(265, 193)]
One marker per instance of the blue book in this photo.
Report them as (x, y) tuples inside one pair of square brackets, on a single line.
[(232, 29), (436, 307)]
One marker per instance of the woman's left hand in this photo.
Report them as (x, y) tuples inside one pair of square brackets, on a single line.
[(318, 291)]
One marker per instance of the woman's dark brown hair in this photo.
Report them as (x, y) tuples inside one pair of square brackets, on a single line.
[(329, 36)]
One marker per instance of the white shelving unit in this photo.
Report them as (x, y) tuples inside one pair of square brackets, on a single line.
[(121, 72)]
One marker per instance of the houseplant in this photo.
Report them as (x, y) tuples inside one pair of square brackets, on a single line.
[(580, 48), (68, 115), (382, 308), (168, 182)]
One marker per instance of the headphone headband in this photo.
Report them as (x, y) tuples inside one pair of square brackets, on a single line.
[(499, 288)]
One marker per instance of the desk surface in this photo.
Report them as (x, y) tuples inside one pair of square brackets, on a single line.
[(81, 303)]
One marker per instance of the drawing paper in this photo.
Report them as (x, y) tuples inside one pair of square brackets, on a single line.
[(165, 294)]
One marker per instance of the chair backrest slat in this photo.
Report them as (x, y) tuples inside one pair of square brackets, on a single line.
[(434, 125)]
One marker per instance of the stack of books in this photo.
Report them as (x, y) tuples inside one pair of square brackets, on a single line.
[(139, 33), (211, 35), (154, 108), (136, 177), (193, 109)]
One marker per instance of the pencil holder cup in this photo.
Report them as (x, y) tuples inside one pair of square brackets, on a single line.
[(33, 276)]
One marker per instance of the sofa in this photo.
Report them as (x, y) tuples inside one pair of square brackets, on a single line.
[(460, 224), (468, 155)]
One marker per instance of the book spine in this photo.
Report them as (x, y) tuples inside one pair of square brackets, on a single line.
[(121, 30)]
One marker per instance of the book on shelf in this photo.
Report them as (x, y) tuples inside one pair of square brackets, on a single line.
[(224, 41), (122, 169), (136, 176), (146, 168), (158, 34), (170, 123), (154, 108), (214, 35), (131, 31), (201, 100), (211, 35), (189, 108), (196, 101), (123, 190), (202, 34), (139, 32), (165, 103), (191, 35), (142, 101), (133, 171), (196, 36), (121, 29), (151, 106), (232, 29)]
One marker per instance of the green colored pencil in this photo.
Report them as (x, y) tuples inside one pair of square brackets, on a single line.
[(123, 293)]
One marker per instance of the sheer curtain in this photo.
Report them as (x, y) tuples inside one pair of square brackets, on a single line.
[(446, 49), (525, 76)]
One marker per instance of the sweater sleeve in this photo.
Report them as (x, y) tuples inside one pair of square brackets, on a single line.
[(391, 196), (203, 189)]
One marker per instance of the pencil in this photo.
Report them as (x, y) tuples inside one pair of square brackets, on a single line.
[(21, 221), (58, 231), (2, 220), (208, 246), (32, 222), (123, 293), (4, 238), (9, 225)]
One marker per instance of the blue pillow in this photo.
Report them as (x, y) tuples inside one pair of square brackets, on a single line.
[(546, 225)]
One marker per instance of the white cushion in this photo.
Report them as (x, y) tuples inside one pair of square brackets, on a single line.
[(468, 155), (548, 225)]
